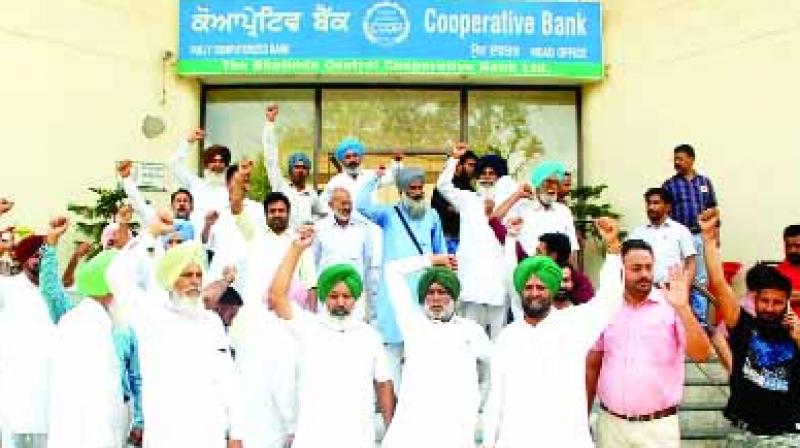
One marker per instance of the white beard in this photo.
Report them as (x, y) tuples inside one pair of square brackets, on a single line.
[(416, 208), (186, 305), (442, 316), (338, 323), (547, 199), (485, 191), (214, 179), (354, 171)]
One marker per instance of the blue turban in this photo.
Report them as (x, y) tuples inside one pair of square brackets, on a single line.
[(182, 227), (298, 158), (546, 170), (497, 163), (406, 176), (349, 144)]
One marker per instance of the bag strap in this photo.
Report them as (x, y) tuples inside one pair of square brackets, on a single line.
[(408, 230)]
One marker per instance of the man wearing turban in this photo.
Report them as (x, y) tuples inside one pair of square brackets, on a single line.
[(190, 397), (350, 153), (209, 195), (538, 393), (410, 228), (480, 267), (343, 358), (537, 205), (85, 373), (29, 312), (306, 204), (439, 396)]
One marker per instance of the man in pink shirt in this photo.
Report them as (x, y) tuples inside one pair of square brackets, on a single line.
[(636, 367)]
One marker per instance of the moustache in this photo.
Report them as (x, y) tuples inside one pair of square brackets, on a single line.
[(339, 311)]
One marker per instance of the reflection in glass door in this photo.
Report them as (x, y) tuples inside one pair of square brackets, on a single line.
[(421, 123)]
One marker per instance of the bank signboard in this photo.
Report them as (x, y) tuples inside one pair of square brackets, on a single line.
[(473, 38)]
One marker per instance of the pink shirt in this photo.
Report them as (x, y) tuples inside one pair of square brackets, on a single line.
[(643, 354)]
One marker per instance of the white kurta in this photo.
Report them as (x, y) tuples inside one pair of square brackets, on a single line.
[(439, 399), (538, 220), (86, 397), (266, 367), (354, 186), (231, 239), (262, 258), (189, 394), (480, 255), (339, 363), (26, 336), (538, 393), (206, 196), (306, 204)]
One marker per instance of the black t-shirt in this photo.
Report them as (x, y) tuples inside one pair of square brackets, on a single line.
[(447, 214), (765, 382), (451, 221)]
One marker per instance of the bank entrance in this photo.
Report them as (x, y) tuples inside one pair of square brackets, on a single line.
[(522, 123)]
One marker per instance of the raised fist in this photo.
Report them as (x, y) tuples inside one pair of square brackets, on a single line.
[(272, 112), (305, 236), (525, 191), (58, 226), (162, 224), (459, 149), (196, 135), (124, 168), (5, 205), (124, 214), (608, 229), (229, 274), (211, 218), (708, 221)]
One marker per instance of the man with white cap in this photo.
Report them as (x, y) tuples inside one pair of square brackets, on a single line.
[(540, 212), (410, 228), (342, 358), (189, 393)]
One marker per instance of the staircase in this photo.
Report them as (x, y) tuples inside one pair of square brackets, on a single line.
[(705, 394)]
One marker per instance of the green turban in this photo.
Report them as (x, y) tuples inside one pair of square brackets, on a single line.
[(175, 260), (544, 268), (339, 273), (90, 278), (546, 170), (441, 275)]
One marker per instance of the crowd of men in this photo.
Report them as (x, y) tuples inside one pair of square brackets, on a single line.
[(459, 318)]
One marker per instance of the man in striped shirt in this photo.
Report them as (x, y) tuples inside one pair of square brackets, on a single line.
[(692, 193)]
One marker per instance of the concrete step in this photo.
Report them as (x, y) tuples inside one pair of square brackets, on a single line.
[(713, 397), (702, 420), (705, 373)]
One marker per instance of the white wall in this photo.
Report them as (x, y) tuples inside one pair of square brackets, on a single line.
[(78, 78), (719, 75)]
